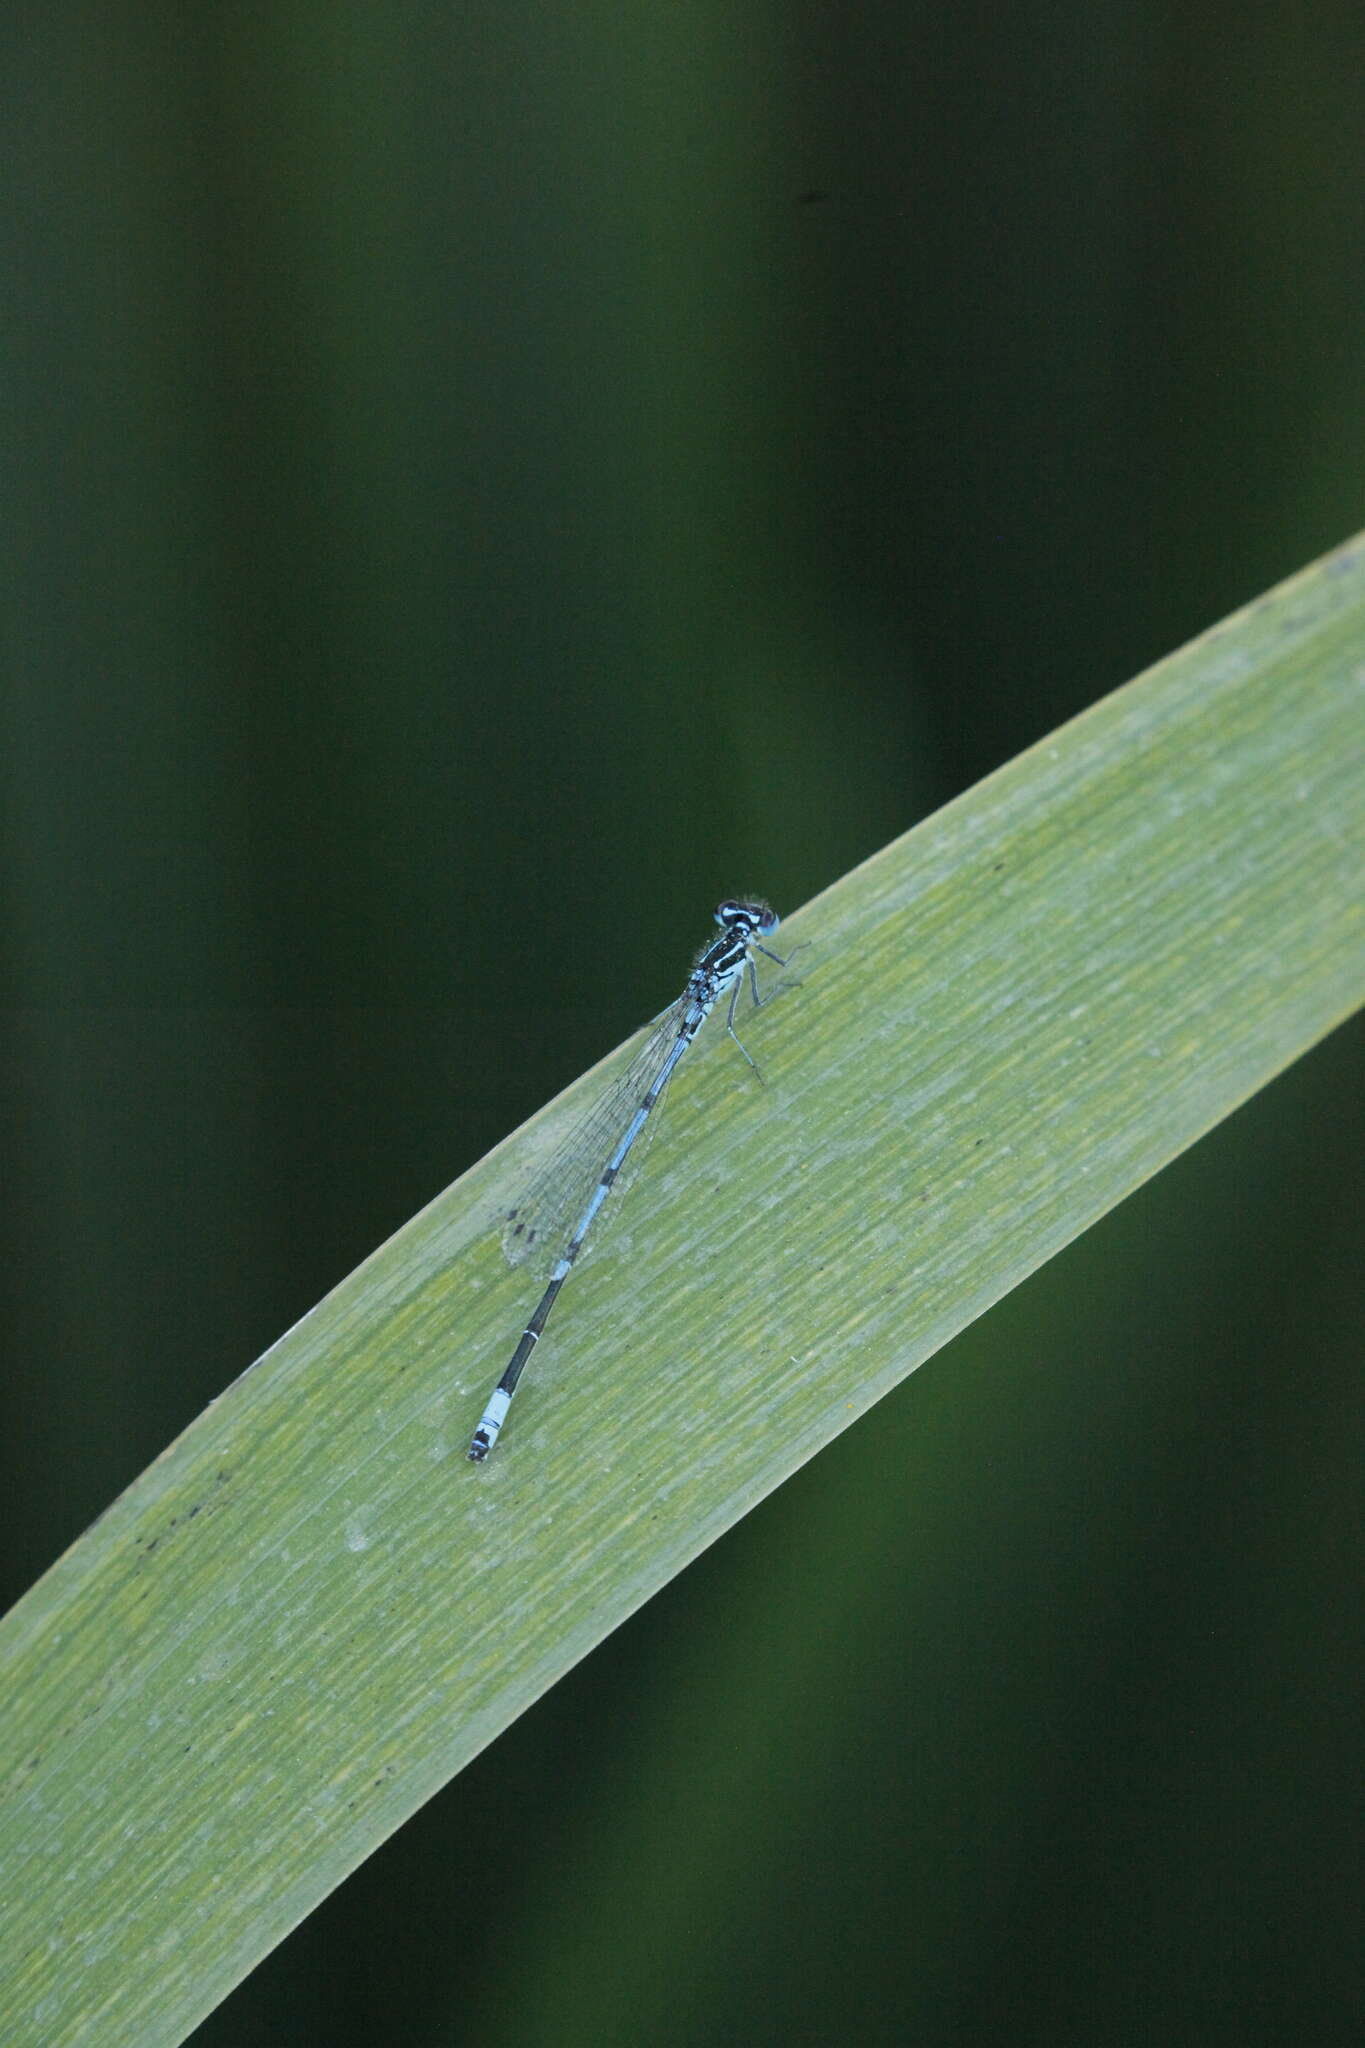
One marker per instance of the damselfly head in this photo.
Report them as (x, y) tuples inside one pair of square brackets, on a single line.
[(754, 916)]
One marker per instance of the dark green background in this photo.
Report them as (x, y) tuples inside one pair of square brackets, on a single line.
[(480, 482)]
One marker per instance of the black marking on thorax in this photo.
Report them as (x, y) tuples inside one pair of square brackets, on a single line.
[(720, 963)]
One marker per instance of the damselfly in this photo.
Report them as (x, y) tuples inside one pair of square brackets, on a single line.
[(579, 1179)]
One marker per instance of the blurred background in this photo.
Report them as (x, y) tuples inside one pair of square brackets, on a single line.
[(478, 475)]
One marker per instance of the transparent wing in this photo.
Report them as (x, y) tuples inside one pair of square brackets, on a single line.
[(541, 1223)]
